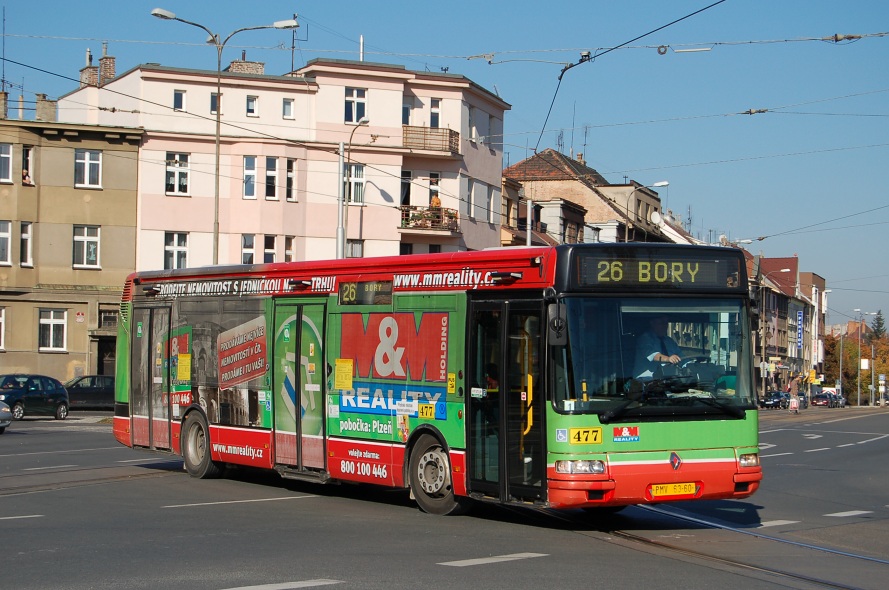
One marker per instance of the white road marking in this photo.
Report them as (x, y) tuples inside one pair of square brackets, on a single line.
[(775, 455), (237, 501), (149, 459), (495, 559), (817, 450), (769, 523), (51, 467), (850, 513), (289, 585), (25, 516)]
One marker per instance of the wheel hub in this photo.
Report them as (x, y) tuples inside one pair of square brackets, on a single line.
[(432, 472)]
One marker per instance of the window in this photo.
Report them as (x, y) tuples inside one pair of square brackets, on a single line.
[(214, 102), (25, 250), (435, 248), (178, 100), (252, 106), (175, 250), (268, 252), (407, 105), (5, 162), (88, 168), (86, 246), (177, 174), (434, 180), (355, 184), (287, 108), (2, 328), (271, 179), (5, 243), (288, 249), (291, 180), (249, 177), (28, 165), (108, 317), (51, 332), (247, 248), (405, 188), (435, 114), (356, 105), (354, 248)]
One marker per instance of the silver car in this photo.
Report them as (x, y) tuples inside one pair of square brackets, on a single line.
[(5, 417)]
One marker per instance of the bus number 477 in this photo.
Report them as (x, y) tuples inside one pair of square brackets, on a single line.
[(585, 436)]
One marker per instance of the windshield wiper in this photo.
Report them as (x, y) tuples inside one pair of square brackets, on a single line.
[(730, 409)]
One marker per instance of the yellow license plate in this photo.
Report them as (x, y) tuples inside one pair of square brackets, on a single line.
[(426, 411), (660, 490), (585, 436)]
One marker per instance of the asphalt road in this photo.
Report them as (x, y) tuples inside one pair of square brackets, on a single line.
[(79, 511)]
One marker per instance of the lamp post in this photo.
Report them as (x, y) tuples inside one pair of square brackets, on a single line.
[(342, 210), (763, 327), (214, 39), (861, 315), (659, 184)]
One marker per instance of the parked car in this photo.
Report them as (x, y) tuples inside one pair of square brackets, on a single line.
[(775, 400), (803, 401), (91, 391), (34, 394), (5, 417), (822, 399)]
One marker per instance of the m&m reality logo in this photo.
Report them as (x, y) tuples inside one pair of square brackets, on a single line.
[(626, 434)]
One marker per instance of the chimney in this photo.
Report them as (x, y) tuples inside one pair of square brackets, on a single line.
[(89, 76), (580, 159), (4, 105), (243, 66), (106, 66), (46, 109)]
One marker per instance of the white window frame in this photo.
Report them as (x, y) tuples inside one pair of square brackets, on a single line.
[(2, 328), (179, 100), (84, 236), (355, 105), (88, 166), (26, 245), (287, 108), (50, 322), (269, 250), (290, 189), (288, 248), (178, 167), (271, 178), (355, 184), (175, 250), (248, 248), (5, 243), (435, 113), (5, 162), (354, 249), (249, 191), (434, 185), (28, 165), (407, 108), (214, 102), (252, 107)]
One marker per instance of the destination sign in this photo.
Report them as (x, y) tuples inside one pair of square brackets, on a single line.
[(658, 269), (366, 293)]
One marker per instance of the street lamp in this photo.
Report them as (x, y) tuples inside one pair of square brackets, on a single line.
[(861, 315), (659, 184), (342, 210), (763, 366), (213, 39)]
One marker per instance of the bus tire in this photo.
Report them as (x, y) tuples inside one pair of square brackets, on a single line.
[(196, 448), (430, 479)]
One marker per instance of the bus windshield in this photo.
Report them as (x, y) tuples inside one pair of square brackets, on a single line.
[(628, 358)]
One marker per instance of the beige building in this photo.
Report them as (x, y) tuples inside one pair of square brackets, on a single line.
[(67, 242)]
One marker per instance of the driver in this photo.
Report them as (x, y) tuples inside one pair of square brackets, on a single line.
[(654, 348)]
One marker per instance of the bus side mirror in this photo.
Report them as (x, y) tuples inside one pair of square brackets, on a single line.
[(557, 324)]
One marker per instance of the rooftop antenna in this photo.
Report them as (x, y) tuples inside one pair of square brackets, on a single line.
[(4, 49)]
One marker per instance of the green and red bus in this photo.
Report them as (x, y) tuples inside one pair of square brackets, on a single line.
[(505, 375)]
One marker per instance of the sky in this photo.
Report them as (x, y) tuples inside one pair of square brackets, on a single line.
[(663, 97)]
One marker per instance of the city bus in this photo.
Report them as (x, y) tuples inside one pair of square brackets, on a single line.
[(506, 375)]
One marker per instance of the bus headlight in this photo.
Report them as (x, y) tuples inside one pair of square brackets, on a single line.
[(580, 466), (749, 460)]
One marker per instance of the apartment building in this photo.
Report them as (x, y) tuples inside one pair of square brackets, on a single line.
[(67, 242), (421, 159)]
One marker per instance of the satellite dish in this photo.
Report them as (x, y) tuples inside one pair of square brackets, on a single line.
[(656, 218)]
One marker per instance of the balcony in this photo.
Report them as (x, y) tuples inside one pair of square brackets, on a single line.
[(431, 138), (429, 218)]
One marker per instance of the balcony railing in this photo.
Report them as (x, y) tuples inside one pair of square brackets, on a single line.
[(430, 218), (431, 138)]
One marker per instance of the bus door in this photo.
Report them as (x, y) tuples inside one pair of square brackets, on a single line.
[(150, 378), (298, 377), (505, 407)]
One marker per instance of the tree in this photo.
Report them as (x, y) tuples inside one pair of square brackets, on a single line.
[(878, 326)]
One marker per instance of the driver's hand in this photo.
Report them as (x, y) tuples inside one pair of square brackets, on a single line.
[(672, 359)]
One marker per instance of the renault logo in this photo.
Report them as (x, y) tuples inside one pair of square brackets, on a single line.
[(675, 461)]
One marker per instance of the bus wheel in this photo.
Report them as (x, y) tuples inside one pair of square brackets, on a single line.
[(196, 448), (430, 479)]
